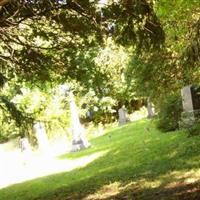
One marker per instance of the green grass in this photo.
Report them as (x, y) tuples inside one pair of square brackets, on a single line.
[(139, 162)]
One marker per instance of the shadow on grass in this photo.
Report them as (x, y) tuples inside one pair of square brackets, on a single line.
[(180, 191), (145, 165)]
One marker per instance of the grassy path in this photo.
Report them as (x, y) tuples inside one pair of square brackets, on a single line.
[(135, 161)]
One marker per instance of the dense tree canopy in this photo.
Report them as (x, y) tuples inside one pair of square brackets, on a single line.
[(115, 50), (177, 63), (43, 37)]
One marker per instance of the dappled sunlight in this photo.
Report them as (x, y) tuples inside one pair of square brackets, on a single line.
[(109, 191), (174, 178), (149, 184), (177, 184), (172, 154), (21, 169), (106, 191), (139, 114)]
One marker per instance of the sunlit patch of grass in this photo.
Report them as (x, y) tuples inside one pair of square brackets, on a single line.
[(105, 192), (177, 177), (139, 162), (45, 166), (115, 188)]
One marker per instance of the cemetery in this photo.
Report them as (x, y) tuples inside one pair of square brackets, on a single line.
[(99, 100)]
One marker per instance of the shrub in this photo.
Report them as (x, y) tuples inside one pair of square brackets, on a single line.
[(169, 114), (3, 138), (194, 129)]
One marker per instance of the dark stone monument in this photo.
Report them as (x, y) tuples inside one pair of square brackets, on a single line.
[(195, 91)]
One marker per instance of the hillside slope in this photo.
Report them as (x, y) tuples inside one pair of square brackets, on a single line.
[(135, 161)]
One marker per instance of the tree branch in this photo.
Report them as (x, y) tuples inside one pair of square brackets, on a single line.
[(3, 2)]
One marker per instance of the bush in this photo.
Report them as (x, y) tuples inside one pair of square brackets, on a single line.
[(3, 139), (194, 129), (169, 114)]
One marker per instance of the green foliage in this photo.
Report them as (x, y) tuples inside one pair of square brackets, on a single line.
[(105, 112), (154, 73), (169, 113), (12, 109), (135, 23), (3, 139), (13, 120), (100, 74), (58, 41), (47, 106), (194, 129), (21, 107), (191, 122), (8, 128), (40, 40), (2, 80)]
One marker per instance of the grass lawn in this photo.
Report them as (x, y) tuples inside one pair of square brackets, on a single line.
[(135, 161)]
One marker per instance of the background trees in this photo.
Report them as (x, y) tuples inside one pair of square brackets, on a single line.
[(114, 51), (161, 74), (34, 31)]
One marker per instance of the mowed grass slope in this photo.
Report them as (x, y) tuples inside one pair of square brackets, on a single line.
[(137, 162)]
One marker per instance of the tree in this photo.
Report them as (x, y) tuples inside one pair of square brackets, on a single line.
[(157, 73), (161, 74), (35, 32)]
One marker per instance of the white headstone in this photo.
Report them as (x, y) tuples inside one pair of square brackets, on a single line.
[(122, 115), (187, 99), (41, 136), (24, 144), (150, 109), (78, 132)]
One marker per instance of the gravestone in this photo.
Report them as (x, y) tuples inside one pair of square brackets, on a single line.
[(24, 145), (25, 150), (123, 119), (196, 97), (41, 135), (191, 104), (79, 140), (150, 109)]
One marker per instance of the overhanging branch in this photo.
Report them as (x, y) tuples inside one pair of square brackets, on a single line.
[(3, 2)]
